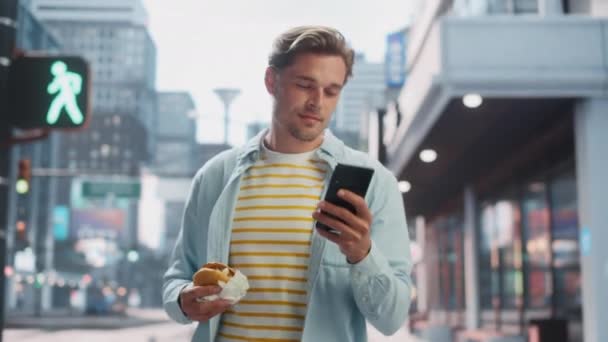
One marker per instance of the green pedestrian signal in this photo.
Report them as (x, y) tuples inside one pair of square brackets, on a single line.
[(67, 85), (48, 92)]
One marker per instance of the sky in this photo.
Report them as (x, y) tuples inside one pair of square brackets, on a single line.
[(203, 45)]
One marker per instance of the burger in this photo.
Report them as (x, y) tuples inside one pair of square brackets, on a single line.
[(213, 273)]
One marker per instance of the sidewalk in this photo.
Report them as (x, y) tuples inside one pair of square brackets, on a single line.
[(61, 320), (402, 335), (151, 323)]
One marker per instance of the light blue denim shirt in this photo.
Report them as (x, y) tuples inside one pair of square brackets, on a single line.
[(341, 296)]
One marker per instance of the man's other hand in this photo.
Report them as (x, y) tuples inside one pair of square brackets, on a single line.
[(202, 311)]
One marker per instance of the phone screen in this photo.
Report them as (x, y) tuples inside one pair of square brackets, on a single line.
[(349, 177)]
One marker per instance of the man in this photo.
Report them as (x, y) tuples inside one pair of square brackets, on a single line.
[(255, 208)]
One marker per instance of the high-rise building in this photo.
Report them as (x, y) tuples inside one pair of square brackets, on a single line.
[(113, 37), (173, 190), (363, 92), (111, 144), (176, 160), (31, 211), (176, 146)]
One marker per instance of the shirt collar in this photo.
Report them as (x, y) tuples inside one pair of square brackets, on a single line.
[(331, 148)]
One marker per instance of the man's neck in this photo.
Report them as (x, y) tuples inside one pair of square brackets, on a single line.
[(285, 143)]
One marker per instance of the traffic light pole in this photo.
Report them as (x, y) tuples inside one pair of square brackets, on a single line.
[(8, 19)]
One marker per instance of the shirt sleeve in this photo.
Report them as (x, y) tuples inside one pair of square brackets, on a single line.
[(182, 265), (381, 282)]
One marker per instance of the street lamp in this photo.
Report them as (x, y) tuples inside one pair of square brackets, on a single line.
[(227, 95)]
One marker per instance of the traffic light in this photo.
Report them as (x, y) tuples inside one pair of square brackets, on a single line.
[(133, 255), (21, 239), (21, 228), (48, 92), (24, 176)]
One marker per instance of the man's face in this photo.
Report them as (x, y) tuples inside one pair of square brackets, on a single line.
[(306, 94)]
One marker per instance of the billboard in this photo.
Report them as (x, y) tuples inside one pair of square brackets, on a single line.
[(107, 223), (61, 220), (395, 61)]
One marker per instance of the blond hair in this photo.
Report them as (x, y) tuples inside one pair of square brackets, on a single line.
[(310, 39)]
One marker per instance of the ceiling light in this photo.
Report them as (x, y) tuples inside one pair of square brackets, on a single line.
[(428, 156), (472, 100), (404, 186)]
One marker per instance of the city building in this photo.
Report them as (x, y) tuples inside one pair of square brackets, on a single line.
[(501, 153), (109, 152), (176, 161), (176, 146), (113, 37), (173, 192), (30, 212), (363, 92)]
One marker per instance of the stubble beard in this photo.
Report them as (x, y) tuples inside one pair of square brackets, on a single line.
[(302, 135), (294, 130)]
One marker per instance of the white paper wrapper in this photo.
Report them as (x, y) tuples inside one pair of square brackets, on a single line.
[(233, 291)]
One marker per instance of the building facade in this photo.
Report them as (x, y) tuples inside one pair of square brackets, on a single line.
[(113, 37), (510, 96), (176, 147), (363, 92), (29, 250), (116, 142)]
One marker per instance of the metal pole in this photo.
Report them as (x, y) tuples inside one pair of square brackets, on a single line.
[(471, 259), (226, 122), (8, 19), (381, 146), (226, 95)]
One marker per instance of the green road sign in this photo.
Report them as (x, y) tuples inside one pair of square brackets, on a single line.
[(103, 189), (48, 92)]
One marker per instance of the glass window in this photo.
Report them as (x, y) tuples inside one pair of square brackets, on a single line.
[(565, 244), (487, 286), (510, 252), (501, 254), (537, 231), (451, 262), (457, 261)]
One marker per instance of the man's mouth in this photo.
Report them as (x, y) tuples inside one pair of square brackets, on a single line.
[(311, 117)]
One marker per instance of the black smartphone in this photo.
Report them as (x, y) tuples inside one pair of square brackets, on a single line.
[(349, 177)]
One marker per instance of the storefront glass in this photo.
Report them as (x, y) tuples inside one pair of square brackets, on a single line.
[(529, 257), (451, 262), (537, 229), (565, 244)]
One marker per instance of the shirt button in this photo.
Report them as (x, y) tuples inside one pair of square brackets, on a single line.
[(365, 299)]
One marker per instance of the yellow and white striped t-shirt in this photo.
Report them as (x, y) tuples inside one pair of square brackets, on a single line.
[(270, 244)]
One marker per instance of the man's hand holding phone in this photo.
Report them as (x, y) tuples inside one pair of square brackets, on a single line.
[(353, 229), (343, 216)]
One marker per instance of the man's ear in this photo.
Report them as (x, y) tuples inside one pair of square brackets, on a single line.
[(270, 79)]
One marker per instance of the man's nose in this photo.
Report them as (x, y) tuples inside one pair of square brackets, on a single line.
[(316, 98)]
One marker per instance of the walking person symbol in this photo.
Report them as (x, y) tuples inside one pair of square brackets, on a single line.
[(67, 85)]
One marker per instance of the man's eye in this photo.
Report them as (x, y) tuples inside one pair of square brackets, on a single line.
[(303, 85), (332, 93)]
